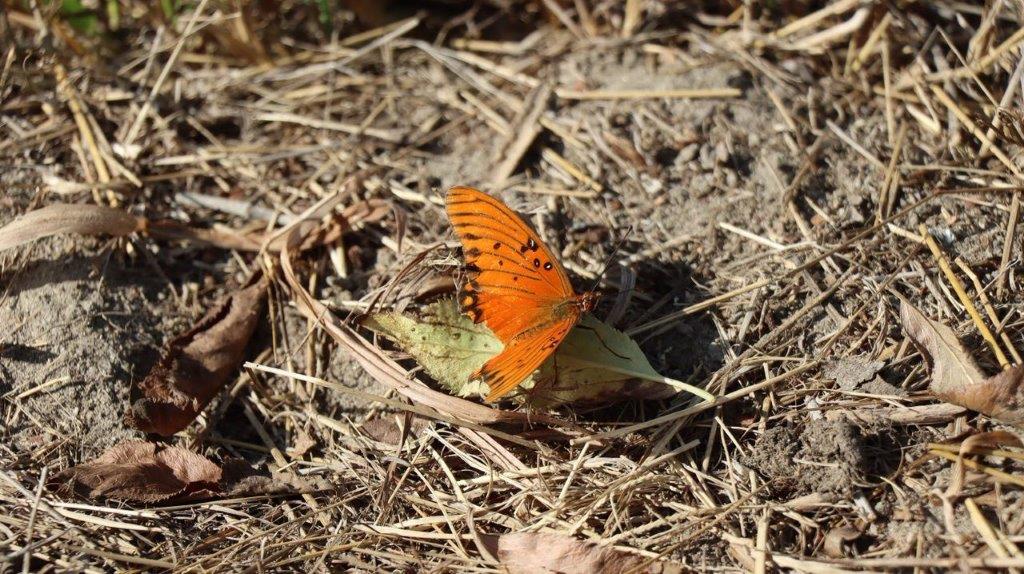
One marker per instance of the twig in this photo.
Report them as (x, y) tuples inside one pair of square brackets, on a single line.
[(133, 131), (961, 293), (689, 94)]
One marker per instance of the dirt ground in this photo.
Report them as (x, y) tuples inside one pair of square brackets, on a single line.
[(794, 201)]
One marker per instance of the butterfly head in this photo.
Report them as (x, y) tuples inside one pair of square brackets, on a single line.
[(587, 301)]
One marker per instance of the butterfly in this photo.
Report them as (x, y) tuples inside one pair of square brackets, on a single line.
[(515, 286)]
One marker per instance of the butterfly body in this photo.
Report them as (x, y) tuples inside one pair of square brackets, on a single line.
[(515, 286)]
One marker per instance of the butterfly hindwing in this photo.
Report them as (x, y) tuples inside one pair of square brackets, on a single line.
[(522, 356)]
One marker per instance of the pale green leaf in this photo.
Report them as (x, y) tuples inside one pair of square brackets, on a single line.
[(595, 364)]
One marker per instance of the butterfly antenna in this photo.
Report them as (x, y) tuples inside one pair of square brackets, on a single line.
[(608, 261)]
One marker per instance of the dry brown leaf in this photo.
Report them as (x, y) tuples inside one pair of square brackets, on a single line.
[(196, 365), (1001, 396), (68, 218), (954, 371), (302, 445), (143, 472), (956, 377), (837, 539), (387, 431), (150, 472), (532, 553)]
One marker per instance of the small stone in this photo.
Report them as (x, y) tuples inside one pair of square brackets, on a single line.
[(721, 152), (707, 157), (731, 179), (687, 154)]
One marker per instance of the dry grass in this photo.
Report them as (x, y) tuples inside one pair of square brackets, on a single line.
[(787, 173)]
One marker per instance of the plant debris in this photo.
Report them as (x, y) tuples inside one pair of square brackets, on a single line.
[(749, 187), (145, 472), (65, 218), (530, 552), (956, 377), (197, 364), (595, 364), (149, 472), (851, 372)]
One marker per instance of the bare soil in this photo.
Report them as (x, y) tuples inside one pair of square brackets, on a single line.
[(710, 195)]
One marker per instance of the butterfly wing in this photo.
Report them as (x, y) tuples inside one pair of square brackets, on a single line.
[(516, 286), (515, 281), (522, 356)]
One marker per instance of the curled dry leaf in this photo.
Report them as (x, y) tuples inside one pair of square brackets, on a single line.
[(837, 539), (529, 553), (972, 444), (143, 472), (196, 365), (1002, 396), (956, 377), (149, 472), (68, 218), (594, 364)]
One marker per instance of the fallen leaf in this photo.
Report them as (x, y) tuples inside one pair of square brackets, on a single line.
[(196, 365), (837, 539), (595, 363), (956, 377), (530, 553), (1002, 396), (143, 472), (954, 371), (303, 444), (68, 218), (385, 430), (148, 472)]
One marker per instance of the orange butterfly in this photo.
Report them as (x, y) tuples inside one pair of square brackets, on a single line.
[(515, 286)]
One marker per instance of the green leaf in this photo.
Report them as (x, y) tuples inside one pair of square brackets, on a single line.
[(80, 18), (595, 364)]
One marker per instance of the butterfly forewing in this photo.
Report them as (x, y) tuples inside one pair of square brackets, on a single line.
[(515, 286)]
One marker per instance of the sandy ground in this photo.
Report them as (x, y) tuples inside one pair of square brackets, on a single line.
[(711, 195)]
